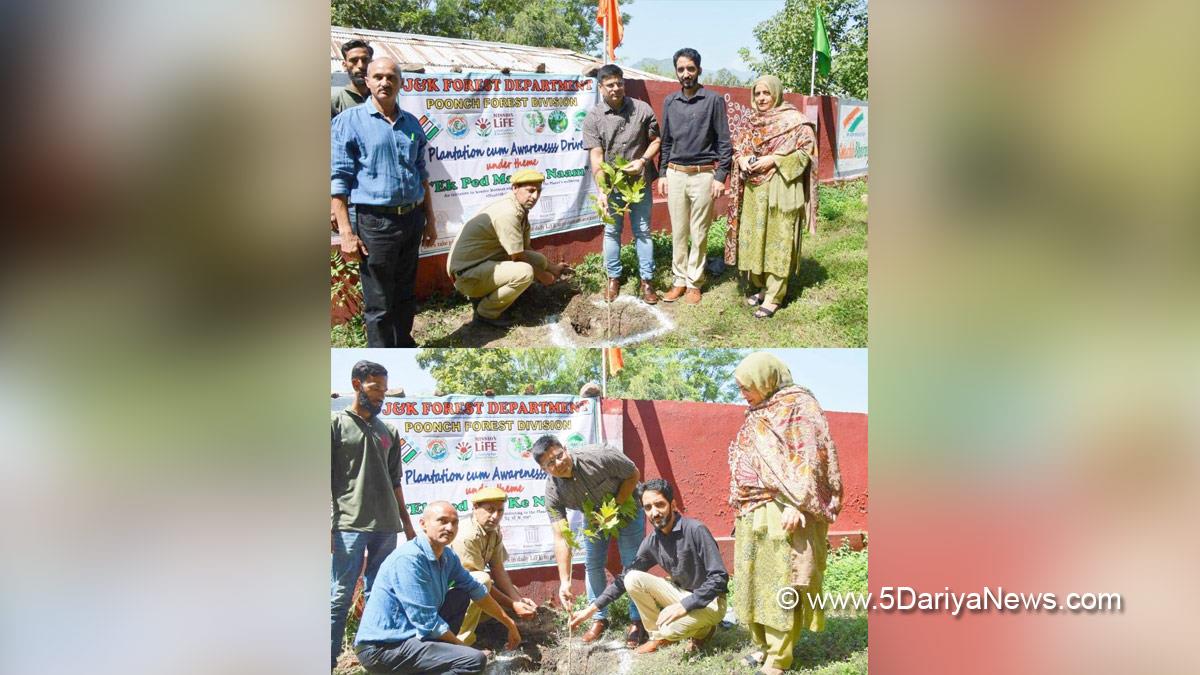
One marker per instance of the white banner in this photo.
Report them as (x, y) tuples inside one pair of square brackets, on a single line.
[(484, 127), (453, 446), (851, 139)]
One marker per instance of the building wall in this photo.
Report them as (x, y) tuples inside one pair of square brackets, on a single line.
[(687, 444)]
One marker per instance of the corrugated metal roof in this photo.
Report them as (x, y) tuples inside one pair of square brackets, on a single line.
[(440, 54)]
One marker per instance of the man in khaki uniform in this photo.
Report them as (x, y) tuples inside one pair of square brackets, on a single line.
[(480, 547), (491, 261)]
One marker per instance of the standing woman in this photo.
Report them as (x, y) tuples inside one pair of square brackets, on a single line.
[(769, 193), (787, 489)]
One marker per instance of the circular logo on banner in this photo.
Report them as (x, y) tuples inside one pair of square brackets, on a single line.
[(520, 447), (535, 121), (483, 127), (456, 125), (464, 450), (574, 440), (579, 115), (558, 121), (436, 449)]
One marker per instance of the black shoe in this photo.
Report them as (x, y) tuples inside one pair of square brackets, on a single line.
[(498, 322)]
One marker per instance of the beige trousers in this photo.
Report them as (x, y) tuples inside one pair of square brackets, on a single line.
[(652, 594), (466, 633), (498, 283), (774, 288), (690, 203)]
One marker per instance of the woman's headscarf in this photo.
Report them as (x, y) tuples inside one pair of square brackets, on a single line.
[(764, 373), (780, 130)]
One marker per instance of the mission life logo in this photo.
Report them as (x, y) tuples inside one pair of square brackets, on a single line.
[(482, 447)]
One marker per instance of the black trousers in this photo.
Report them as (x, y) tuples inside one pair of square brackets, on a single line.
[(389, 274), (416, 656)]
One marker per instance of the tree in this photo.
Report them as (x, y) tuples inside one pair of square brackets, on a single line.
[(785, 42), (723, 78), (568, 24), (650, 373)]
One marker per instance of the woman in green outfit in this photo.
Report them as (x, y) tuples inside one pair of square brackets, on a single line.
[(787, 489), (769, 193)]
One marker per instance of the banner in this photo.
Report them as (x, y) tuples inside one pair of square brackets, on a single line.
[(453, 446), (851, 139), (483, 127)]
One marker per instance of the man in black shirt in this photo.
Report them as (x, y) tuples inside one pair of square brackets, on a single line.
[(696, 158), (692, 602)]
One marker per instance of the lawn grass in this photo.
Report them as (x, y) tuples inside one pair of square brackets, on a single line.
[(841, 648), (826, 304)]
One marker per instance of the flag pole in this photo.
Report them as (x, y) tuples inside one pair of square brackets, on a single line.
[(603, 372), (812, 79)]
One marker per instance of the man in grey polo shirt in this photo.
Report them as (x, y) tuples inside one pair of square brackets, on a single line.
[(588, 476), (623, 127), (696, 158)]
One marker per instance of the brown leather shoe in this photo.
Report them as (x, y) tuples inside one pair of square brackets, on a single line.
[(648, 295), (650, 647), (693, 296), (612, 290), (636, 635), (595, 631), (674, 294)]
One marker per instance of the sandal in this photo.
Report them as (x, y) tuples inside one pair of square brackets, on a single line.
[(764, 313), (754, 300)]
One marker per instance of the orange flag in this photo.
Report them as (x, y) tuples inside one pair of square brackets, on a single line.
[(609, 17), (615, 361)]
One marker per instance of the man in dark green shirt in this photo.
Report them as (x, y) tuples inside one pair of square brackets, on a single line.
[(367, 493), (356, 56)]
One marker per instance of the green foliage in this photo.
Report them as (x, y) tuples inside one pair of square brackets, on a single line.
[(836, 201), (614, 179), (846, 571), (723, 78), (569, 24), (786, 42), (650, 373), (607, 520)]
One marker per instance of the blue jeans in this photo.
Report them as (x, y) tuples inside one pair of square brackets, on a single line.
[(639, 223), (348, 551), (596, 554)]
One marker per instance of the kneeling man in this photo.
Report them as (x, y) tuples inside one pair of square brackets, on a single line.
[(412, 617), (692, 602), (480, 547), (491, 260)]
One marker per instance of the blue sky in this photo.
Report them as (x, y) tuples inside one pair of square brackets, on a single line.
[(715, 28), (838, 377)]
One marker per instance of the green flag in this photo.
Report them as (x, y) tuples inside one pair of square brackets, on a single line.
[(821, 45)]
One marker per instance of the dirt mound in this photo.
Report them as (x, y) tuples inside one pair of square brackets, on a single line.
[(545, 648), (589, 321)]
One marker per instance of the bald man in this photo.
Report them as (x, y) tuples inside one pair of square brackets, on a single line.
[(412, 618), (377, 163)]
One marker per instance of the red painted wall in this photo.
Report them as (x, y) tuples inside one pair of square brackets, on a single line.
[(571, 247), (687, 443)]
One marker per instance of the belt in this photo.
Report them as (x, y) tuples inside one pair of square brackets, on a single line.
[(699, 168), (397, 210)]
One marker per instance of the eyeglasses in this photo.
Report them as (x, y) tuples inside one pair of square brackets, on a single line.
[(553, 459)]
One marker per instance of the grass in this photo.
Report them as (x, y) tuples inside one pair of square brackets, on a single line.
[(840, 649), (826, 304)]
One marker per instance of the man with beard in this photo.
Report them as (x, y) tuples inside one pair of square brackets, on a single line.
[(623, 127), (356, 56), (410, 621), (368, 499), (692, 602), (377, 163), (583, 480), (696, 158), (480, 547)]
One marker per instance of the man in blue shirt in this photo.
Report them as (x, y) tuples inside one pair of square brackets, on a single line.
[(412, 617), (378, 164)]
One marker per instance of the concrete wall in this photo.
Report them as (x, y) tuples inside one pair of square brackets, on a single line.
[(571, 247), (687, 444)]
